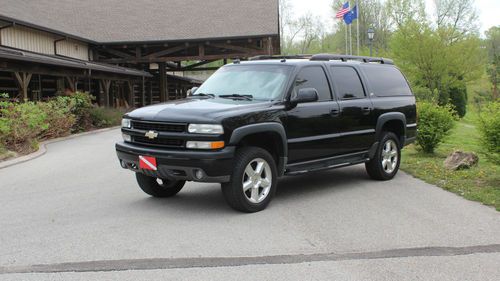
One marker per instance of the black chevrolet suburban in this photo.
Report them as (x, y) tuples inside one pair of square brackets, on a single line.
[(255, 121)]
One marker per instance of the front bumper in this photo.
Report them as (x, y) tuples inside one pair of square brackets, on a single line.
[(216, 166)]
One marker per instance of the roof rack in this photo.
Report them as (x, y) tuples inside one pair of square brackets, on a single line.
[(344, 58), (277, 57)]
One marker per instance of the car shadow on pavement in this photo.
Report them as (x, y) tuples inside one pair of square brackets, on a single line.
[(319, 183), (208, 199)]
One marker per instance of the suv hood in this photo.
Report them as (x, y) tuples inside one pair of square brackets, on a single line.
[(196, 110)]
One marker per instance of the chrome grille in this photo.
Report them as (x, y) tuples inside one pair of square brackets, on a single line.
[(159, 127), (163, 142)]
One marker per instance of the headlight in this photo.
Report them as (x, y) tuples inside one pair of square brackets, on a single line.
[(205, 129), (126, 123), (204, 144)]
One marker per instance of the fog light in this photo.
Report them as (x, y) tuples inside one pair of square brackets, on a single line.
[(198, 174), (126, 137)]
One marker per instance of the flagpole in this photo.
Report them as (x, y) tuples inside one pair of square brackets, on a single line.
[(346, 47), (357, 24), (350, 39)]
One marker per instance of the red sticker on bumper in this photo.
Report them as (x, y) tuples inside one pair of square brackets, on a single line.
[(147, 163)]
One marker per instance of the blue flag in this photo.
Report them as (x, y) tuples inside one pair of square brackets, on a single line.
[(352, 15)]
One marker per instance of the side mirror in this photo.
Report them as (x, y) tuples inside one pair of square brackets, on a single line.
[(192, 91), (305, 95)]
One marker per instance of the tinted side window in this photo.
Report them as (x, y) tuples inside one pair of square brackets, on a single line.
[(313, 77), (347, 83), (386, 81)]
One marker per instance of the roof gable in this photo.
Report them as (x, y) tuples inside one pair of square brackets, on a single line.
[(110, 21)]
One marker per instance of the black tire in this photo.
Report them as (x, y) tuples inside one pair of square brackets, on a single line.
[(165, 188), (233, 191), (375, 169)]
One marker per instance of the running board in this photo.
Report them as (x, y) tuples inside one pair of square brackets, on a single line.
[(327, 163)]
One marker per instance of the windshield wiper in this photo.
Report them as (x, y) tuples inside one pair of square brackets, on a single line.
[(203, 95), (237, 96)]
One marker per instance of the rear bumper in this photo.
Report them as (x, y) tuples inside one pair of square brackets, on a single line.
[(216, 166)]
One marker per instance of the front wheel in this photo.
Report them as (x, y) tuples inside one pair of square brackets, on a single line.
[(158, 187), (385, 163), (253, 182)]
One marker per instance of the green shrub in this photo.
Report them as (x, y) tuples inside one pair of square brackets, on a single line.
[(490, 131), (106, 117), (434, 124), (20, 125), (81, 107), (59, 117), (458, 98)]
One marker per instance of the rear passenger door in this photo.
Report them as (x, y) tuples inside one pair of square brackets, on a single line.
[(312, 127), (356, 123)]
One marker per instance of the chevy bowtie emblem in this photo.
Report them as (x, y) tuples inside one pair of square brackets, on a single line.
[(151, 135)]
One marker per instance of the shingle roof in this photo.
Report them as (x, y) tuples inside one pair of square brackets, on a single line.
[(107, 21)]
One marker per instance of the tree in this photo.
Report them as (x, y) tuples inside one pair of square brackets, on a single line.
[(493, 49), (458, 16), (403, 11)]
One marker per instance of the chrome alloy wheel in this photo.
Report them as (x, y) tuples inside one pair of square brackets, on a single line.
[(257, 180), (389, 156)]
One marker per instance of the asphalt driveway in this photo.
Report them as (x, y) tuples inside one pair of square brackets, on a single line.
[(74, 214)]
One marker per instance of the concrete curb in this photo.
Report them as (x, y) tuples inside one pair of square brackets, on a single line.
[(43, 147)]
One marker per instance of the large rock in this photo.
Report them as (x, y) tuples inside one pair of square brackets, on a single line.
[(461, 160)]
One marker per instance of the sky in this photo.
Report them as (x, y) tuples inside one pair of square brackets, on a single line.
[(489, 10)]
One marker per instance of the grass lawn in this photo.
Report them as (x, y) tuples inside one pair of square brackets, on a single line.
[(481, 183)]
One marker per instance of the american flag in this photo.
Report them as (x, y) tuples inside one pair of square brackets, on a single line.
[(344, 10)]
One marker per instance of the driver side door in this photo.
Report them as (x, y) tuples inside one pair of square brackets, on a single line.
[(312, 127)]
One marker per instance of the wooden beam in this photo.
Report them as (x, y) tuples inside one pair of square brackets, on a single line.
[(130, 85), (167, 51), (162, 82), (23, 80), (187, 58), (234, 48), (117, 53), (72, 83), (106, 84), (201, 51), (270, 46)]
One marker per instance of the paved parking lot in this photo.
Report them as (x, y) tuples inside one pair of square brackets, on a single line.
[(74, 214)]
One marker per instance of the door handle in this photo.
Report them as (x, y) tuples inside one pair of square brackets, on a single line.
[(335, 112), (366, 110)]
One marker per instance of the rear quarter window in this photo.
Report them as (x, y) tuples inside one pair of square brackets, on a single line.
[(386, 81)]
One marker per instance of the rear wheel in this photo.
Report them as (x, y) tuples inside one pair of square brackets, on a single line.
[(253, 182), (158, 187), (385, 163)]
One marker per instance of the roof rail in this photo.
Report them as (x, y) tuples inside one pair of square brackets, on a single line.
[(277, 57), (344, 58)]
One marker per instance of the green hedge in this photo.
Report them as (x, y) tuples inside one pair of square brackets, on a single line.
[(24, 124), (434, 124), (490, 131)]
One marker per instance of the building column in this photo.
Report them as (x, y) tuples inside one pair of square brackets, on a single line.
[(106, 84), (162, 82), (23, 80)]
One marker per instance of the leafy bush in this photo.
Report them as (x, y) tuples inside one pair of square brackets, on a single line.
[(434, 124), (81, 107), (60, 120), (106, 117), (21, 124), (490, 131)]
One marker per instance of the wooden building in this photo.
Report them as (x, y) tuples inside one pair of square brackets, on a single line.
[(125, 52)]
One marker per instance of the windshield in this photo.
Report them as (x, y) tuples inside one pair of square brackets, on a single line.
[(264, 82)]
